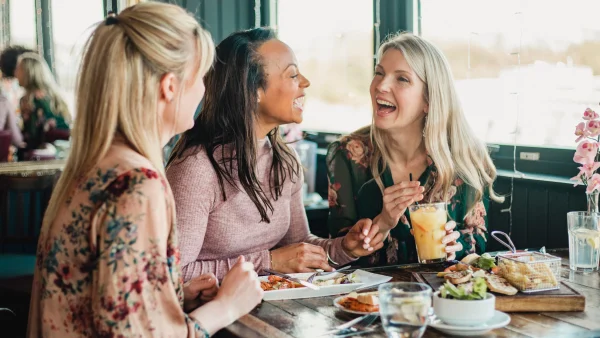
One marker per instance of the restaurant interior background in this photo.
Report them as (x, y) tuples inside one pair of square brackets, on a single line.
[(525, 71)]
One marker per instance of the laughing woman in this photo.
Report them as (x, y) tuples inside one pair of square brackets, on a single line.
[(237, 185), (418, 130)]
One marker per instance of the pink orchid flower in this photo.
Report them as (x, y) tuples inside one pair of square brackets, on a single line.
[(586, 152), (585, 171), (589, 114), (593, 183), (581, 131), (593, 128), (589, 169), (577, 179)]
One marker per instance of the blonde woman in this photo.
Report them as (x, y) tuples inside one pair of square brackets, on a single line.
[(108, 261), (418, 130), (42, 106)]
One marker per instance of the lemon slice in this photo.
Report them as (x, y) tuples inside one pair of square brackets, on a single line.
[(594, 242)]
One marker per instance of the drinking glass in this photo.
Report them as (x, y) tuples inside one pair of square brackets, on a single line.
[(428, 222), (584, 241), (404, 308)]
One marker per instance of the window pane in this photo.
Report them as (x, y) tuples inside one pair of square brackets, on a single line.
[(543, 99), (333, 41), (70, 32), (22, 23)]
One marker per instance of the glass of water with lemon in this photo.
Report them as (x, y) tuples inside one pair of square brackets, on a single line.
[(584, 241)]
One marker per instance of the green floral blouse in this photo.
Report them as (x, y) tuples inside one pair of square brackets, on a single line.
[(354, 194), (36, 111)]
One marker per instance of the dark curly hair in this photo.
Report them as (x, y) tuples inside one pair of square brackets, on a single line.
[(8, 59)]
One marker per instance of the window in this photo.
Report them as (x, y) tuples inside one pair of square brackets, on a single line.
[(70, 32), (333, 42), (559, 73), (22, 23)]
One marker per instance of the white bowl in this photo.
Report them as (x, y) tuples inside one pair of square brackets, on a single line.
[(464, 312)]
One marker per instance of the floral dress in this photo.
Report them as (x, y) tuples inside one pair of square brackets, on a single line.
[(108, 265), (353, 195)]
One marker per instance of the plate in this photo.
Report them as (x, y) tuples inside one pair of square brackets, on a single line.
[(335, 303), (499, 320), (365, 278)]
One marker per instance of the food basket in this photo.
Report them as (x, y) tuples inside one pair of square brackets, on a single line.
[(528, 271)]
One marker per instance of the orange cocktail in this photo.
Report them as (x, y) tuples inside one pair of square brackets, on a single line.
[(428, 223)]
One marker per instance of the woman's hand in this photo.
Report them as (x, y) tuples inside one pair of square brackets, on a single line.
[(395, 201), (452, 246), (199, 290), (240, 290), (363, 239), (299, 257)]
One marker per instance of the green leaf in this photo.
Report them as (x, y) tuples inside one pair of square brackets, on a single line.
[(485, 262), (479, 288)]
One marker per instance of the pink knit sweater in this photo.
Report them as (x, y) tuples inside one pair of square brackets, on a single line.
[(214, 232)]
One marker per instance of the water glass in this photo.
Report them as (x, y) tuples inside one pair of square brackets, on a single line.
[(584, 241), (404, 308)]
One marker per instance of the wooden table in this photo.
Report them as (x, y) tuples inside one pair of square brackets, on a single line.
[(309, 317)]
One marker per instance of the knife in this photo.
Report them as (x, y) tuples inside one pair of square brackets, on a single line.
[(290, 278)]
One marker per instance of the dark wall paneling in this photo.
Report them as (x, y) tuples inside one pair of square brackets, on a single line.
[(539, 213), (558, 206), (537, 216), (519, 216)]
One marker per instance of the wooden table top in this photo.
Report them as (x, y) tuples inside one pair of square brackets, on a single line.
[(309, 317)]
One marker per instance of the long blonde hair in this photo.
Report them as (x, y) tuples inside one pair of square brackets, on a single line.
[(449, 139), (118, 85), (37, 77)]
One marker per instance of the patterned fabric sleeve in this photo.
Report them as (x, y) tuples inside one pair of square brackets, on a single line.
[(471, 222), (342, 203), (134, 294)]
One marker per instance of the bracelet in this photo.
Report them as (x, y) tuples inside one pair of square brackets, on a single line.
[(270, 259), (202, 330), (331, 262)]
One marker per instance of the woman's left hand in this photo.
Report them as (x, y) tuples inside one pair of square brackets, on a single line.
[(363, 239), (199, 290), (452, 246)]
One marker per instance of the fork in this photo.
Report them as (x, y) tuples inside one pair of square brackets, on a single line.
[(321, 273), (355, 325)]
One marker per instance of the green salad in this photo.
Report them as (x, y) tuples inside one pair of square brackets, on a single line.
[(474, 290), (485, 262)]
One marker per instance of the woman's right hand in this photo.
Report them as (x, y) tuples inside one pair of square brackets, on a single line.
[(240, 290), (299, 257), (395, 201)]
